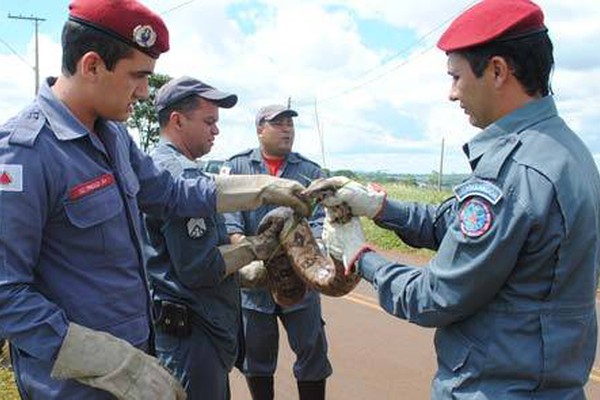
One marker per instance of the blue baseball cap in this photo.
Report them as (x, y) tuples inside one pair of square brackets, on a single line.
[(180, 88)]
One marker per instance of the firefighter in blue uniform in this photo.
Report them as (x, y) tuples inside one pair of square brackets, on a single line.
[(303, 321), (74, 300), (512, 287), (191, 265)]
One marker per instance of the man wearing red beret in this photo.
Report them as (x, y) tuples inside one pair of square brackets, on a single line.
[(512, 287), (74, 300)]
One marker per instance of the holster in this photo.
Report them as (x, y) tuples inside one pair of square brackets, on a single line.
[(173, 318)]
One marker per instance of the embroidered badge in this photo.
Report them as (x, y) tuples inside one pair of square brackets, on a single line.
[(196, 227), (144, 36), (11, 178), (85, 188), (478, 187), (475, 217)]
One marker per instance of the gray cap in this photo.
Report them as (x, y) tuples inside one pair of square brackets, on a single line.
[(180, 88), (273, 111)]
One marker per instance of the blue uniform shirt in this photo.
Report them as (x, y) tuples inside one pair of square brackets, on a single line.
[(512, 287), (296, 167), (186, 266), (70, 237)]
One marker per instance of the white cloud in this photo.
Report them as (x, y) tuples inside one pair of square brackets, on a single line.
[(305, 49)]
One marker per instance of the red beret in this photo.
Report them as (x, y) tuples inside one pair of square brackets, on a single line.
[(492, 20), (126, 20)]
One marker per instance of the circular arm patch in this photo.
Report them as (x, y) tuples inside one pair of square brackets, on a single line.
[(475, 217)]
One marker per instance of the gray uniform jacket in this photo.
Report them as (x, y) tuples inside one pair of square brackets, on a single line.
[(185, 265), (512, 286), (295, 167)]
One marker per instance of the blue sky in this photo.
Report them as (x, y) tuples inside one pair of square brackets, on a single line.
[(368, 69)]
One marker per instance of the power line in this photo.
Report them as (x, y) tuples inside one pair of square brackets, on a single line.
[(12, 50), (386, 63), (177, 7)]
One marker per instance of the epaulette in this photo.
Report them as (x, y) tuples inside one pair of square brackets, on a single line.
[(26, 127), (240, 154)]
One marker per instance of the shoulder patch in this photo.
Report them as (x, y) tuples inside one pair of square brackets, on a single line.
[(196, 227), (11, 178), (479, 188), (27, 127), (476, 217)]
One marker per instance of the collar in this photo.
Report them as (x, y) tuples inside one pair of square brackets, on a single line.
[(165, 146), (290, 158), (514, 123), (65, 125)]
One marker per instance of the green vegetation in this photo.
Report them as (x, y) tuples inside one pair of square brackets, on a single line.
[(8, 389), (387, 240)]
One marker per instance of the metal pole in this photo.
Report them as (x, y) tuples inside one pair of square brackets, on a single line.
[(36, 69), (321, 138), (441, 167), (37, 60)]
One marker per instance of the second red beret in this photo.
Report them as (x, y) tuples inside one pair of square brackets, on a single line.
[(491, 20)]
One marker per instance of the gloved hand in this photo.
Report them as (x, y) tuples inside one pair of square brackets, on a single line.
[(253, 275), (250, 248), (106, 362), (247, 192), (345, 242), (364, 201)]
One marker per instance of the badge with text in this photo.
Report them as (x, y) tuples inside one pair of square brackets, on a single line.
[(475, 217), (91, 186), (196, 227), (11, 178)]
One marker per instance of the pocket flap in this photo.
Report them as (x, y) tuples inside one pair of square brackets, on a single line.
[(95, 208)]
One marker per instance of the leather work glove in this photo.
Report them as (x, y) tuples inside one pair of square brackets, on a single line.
[(247, 192), (103, 361), (253, 275), (345, 242), (250, 248), (364, 201)]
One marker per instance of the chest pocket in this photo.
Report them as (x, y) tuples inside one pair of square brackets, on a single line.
[(95, 208)]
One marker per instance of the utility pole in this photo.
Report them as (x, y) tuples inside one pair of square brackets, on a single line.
[(441, 167), (36, 21), (321, 138)]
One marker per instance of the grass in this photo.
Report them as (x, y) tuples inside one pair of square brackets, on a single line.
[(381, 238), (388, 240), (8, 389)]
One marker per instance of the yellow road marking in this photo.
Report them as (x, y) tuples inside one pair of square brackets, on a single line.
[(595, 375), (362, 300), (363, 297), (371, 303)]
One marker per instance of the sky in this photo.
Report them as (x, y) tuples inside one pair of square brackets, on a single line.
[(366, 78)]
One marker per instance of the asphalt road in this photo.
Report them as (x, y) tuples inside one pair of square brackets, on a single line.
[(374, 355)]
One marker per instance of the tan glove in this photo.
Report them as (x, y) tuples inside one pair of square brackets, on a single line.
[(253, 275), (364, 201), (247, 249), (247, 192), (106, 362)]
